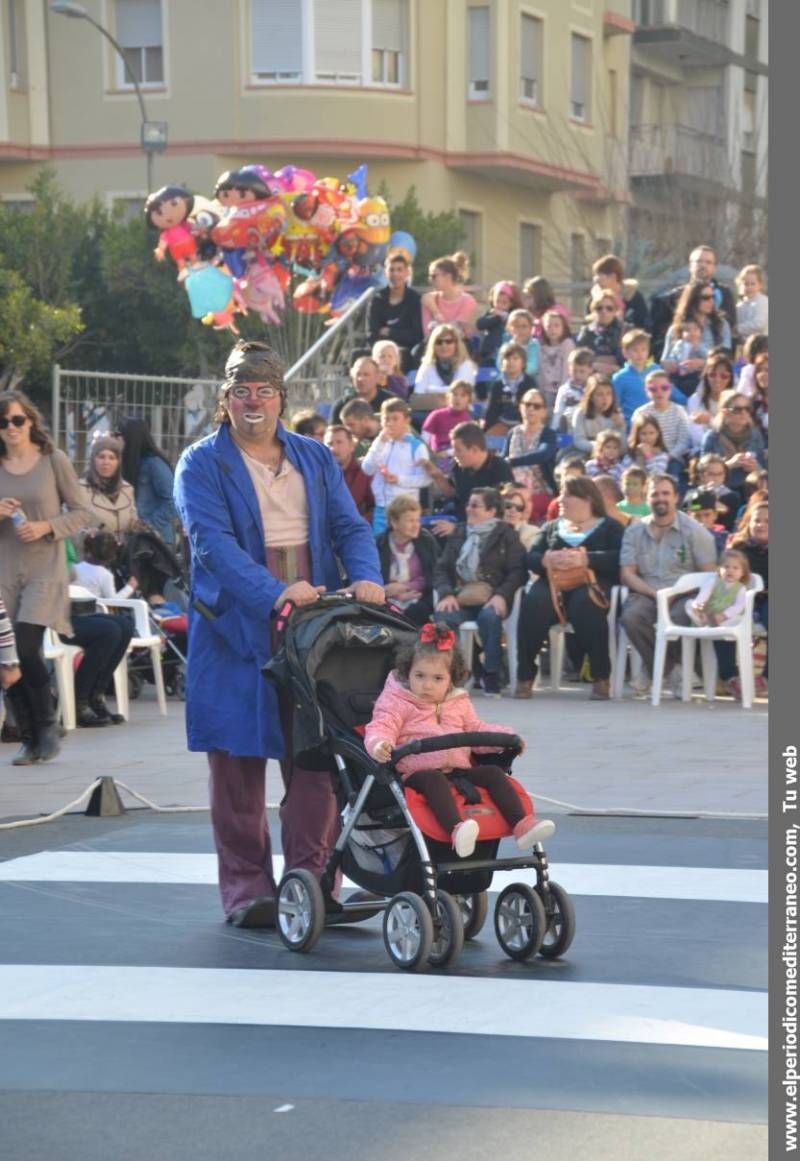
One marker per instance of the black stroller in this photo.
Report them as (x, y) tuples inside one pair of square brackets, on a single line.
[(334, 657)]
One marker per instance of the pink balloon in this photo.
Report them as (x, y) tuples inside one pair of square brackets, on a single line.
[(291, 179)]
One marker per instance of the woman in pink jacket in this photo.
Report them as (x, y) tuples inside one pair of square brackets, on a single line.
[(423, 698)]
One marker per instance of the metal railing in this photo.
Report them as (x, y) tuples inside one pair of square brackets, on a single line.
[(658, 150)]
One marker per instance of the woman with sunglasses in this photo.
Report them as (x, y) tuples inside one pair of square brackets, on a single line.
[(603, 332), (698, 302), (531, 452), (516, 508), (37, 484), (445, 360), (735, 437), (703, 406)]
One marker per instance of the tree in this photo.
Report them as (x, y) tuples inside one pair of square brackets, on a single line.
[(435, 234)]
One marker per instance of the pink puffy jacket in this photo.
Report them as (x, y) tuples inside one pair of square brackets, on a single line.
[(400, 716)]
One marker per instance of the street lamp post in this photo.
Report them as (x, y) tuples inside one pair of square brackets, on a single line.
[(153, 133)]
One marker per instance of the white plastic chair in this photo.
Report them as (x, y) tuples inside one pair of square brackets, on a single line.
[(145, 638), (624, 651), (468, 636), (741, 633), (557, 639), (63, 656)]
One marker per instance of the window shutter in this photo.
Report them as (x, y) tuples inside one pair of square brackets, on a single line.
[(389, 24), (479, 49), (277, 37), (580, 77), (139, 23), (337, 36), (529, 58)]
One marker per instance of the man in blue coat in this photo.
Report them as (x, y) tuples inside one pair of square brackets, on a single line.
[(267, 514)]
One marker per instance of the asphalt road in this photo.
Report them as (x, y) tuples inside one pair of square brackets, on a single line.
[(135, 1024)]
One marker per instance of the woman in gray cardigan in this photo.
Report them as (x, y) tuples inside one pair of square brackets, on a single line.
[(37, 482)]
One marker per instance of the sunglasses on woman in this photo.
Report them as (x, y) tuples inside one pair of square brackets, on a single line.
[(535, 406), (738, 410), (657, 388), (706, 297), (512, 507), (447, 339), (17, 420)]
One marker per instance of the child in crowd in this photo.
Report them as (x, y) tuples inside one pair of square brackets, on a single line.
[(752, 309), (646, 447), (424, 698), (606, 456), (634, 485), (359, 418), (629, 382), (556, 345), (519, 329), (506, 392), (721, 599), (597, 411), (10, 672), (567, 469), (439, 423), (711, 475), (754, 346), (311, 424), (685, 355), (100, 551), (387, 355), (570, 393), (672, 417), (703, 507), (503, 298), (396, 461)]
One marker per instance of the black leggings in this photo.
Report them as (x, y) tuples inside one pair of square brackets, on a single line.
[(435, 786), (31, 655)]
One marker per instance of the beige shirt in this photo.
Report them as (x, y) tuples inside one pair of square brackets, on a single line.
[(282, 501)]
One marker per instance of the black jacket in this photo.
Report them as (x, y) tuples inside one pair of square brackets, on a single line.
[(502, 406), (493, 473), (491, 327), (602, 544), (502, 562), (606, 342), (404, 319), (426, 548)]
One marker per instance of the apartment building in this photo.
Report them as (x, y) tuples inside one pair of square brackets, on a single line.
[(514, 113), (698, 126)]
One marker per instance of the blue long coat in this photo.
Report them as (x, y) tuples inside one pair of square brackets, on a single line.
[(229, 704)]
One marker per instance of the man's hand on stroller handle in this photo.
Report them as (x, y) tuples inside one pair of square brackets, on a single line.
[(300, 593)]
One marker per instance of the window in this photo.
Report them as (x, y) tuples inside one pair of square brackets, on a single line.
[(530, 59), (16, 43), (748, 175), (125, 208), (648, 12), (581, 80), (478, 54), (139, 33), (471, 225), (389, 42), (337, 40), (752, 31), (530, 251), (277, 40)]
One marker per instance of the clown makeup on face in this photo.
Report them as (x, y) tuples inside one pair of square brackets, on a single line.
[(254, 409)]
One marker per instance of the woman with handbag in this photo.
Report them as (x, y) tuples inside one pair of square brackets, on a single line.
[(37, 482), (576, 560)]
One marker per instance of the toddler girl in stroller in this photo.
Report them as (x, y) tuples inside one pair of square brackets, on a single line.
[(423, 698)]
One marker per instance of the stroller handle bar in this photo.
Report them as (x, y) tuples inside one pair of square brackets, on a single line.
[(453, 741)]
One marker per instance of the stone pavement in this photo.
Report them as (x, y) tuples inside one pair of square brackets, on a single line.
[(602, 756)]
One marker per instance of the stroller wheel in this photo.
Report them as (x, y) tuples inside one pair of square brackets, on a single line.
[(448, 931), (301, 910), (520, 921), (474, 909), (408, 931), (560, 922)]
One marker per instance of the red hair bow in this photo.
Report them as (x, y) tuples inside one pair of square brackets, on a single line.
[(439, 635)]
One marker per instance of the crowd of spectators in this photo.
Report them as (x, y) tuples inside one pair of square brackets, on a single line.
[(629, 443)]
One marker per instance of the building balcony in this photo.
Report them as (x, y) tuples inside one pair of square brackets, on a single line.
[(692, 33), (659, 151)]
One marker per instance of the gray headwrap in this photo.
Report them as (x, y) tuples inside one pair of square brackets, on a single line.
[(251, 362)]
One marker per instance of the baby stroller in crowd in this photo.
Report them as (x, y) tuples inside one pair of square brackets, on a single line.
[(334, 657)]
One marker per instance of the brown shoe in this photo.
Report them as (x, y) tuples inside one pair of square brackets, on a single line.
[(524, 690), (601, 691)]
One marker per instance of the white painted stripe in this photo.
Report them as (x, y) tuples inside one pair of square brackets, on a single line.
[(712, 884), (691, 1017)]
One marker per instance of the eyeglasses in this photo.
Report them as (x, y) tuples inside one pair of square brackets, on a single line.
[(535, 406), (17, 420), (706, 297), (243, 392), (738, 409), (446, 339), (657, 388), (510, 506)]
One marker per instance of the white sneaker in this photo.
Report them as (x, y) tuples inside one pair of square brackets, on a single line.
[(531, 831), (464, 837)]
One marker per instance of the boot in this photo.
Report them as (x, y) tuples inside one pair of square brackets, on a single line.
[(45, 722), (97, 704), (28, 753)]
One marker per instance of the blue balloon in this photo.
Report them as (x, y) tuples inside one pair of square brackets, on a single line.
[(401, 240), (359, 179), (210, 290)]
